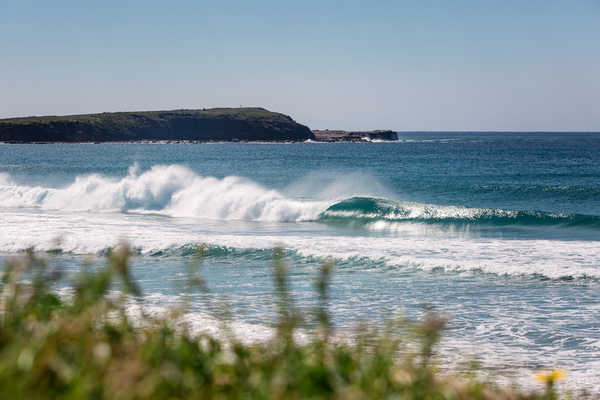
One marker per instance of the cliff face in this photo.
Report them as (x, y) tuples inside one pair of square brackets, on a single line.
[(243, 124)]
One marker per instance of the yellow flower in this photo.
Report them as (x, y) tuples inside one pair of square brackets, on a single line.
[(550, 375)]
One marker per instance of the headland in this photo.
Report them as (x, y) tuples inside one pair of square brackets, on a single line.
[(216, 124), (179, 126)]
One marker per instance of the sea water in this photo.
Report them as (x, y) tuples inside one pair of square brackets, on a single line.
[(499, 232)]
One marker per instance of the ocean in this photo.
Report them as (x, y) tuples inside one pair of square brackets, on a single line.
[(499, 232)]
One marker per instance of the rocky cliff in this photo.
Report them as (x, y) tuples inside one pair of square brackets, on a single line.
[(218, 124)]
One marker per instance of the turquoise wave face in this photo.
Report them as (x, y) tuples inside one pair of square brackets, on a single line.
[(365, 211)]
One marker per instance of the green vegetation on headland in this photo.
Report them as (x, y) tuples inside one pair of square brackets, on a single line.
[(217, 124), (86, 345)]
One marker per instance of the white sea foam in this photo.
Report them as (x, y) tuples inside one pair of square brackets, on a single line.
[(172, 190), (5, 179), (506, 363), (94, 232)]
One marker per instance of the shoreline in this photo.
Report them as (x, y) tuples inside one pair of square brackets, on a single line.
[(201, 141)]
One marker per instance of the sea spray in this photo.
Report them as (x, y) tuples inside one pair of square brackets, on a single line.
[(171, 190)]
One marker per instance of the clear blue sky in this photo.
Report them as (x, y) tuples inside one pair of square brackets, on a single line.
[(403, 65)]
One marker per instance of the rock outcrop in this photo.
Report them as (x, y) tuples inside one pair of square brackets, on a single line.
[(344, 136)]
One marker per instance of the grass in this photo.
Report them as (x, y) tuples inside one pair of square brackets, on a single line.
[(87, 346), (131, 118)]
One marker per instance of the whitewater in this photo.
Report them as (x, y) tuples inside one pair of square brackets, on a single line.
[(500, 232)]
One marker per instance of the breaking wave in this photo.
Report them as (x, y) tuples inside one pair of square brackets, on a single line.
[(179, 192), (372, 211), (172, 190)]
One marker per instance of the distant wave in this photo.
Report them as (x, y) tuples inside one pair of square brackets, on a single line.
[(179, 192)]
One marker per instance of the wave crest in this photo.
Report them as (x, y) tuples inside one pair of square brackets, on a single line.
[(172, 190), (382, 212)]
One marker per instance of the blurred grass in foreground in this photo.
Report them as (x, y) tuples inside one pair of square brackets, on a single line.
[(86, 346)]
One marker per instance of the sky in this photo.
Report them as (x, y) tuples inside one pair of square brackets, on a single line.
[(462, 65)]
